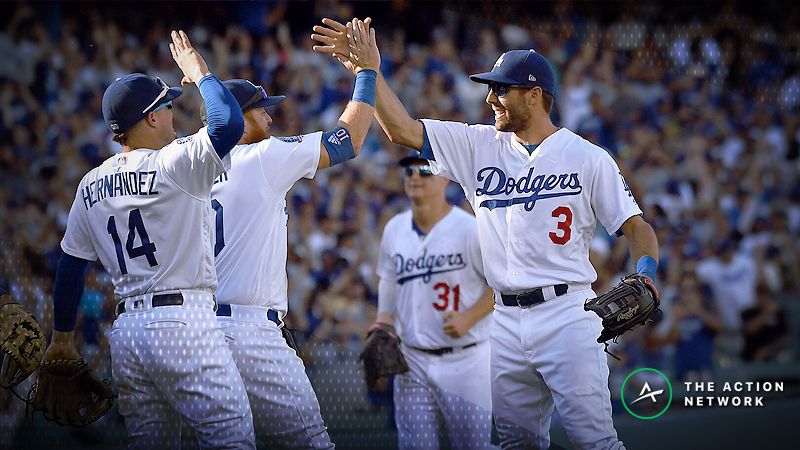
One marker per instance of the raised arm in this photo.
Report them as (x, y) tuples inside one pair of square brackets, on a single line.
[(398, 125), (223, 115), (345, 141)]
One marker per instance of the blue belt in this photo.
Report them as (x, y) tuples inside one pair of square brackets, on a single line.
[(272, 315)]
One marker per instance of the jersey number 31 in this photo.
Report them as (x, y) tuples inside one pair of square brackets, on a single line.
[(135, 225)]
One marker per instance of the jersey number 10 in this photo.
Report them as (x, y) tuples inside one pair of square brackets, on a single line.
[(135, 225)]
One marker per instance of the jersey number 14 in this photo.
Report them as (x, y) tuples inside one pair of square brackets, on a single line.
[(135, 226)]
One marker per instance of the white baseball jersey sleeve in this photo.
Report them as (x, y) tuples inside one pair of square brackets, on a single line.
[(536, 212), (144, 214), (250, 213), (435, 273)]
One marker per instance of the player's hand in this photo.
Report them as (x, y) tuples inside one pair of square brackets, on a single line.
[(62, 346), (363, 48), (334, 37), (189, 60), (456, 324)]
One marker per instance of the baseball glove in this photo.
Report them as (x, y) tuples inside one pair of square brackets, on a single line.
[(22, 344), (629, 304), (381, 355), (69, 393)]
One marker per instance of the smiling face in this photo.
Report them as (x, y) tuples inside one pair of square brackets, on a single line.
[(513, 108)]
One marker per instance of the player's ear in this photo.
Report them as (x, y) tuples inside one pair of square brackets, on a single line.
[(534, 96)]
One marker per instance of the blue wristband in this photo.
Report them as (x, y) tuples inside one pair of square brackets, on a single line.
[(647, 265), (339, 145), (364, 91)]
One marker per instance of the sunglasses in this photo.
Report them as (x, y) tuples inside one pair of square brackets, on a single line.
[(162, 94), (167, 105), (423, 171), (501, 89), (259, 95)]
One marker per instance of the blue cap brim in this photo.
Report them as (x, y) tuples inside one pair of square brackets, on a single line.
[(409, 160), (269, 101), (490, 77)]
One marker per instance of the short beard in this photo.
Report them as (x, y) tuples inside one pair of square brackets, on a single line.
[(512, 124)]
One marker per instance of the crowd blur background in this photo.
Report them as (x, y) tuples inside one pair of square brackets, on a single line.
[(697, 102)]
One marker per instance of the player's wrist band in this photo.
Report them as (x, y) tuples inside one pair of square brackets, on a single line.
[(364, 91), (647, 265)]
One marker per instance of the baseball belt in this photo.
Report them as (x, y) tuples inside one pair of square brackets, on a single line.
[(272, 315), (532, 297), (443, 350), (173, 299)]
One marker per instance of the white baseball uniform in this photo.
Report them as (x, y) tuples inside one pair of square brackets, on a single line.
[(144, 214), (250, 212), (536, 216), (438, 272)]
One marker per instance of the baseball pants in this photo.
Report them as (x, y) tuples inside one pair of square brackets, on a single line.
[(286, 412), (171, 363), (455, 385), (547, 356)]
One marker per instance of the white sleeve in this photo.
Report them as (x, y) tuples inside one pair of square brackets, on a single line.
[(77, 240), (192, 164), (611, 197), (287, 159), (453, 149), (387, 296), (385, 268), (706, 270)]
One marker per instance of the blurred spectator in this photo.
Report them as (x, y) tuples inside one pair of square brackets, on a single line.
[(765, 329)]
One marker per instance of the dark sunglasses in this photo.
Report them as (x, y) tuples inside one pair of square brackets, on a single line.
[(501, 89), (259, 95), (423, 171)]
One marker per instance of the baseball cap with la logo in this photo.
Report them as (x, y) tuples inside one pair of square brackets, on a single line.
[(525, 68)]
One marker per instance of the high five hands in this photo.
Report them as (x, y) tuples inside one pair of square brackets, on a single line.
[(352, 44)]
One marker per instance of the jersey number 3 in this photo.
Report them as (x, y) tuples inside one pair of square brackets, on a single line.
[(135, 226), (563, 225)]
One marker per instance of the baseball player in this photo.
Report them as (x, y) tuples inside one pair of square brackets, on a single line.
[(538, 192), (144, 214), (432, 287), (250, 245)]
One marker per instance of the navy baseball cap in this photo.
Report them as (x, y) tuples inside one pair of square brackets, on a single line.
[(413, 157), (524, 68), (129, 99), (250, 96)]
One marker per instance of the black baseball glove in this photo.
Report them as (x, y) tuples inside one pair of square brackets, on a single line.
[(381, 355), (631, 303)]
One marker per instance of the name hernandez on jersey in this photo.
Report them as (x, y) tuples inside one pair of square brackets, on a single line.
[(536, 212), (144, 215), (439, 272)]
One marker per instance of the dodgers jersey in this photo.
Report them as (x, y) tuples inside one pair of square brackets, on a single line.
[(536, 212), (144, 214), (250, 213), (435, 273)]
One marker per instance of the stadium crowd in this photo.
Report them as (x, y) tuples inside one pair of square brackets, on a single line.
[(701, 114)]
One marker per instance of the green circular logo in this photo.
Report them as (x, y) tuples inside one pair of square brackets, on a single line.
[(649, 389)]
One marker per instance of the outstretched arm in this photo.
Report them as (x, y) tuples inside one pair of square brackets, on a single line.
[(398, 125), (345, 141), (223, 115)]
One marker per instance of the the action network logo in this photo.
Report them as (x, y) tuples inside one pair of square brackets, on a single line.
[(646, 393)]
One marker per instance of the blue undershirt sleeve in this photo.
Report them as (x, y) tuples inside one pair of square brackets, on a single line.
[(223, 115), (68, 291), (426, 152)]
